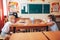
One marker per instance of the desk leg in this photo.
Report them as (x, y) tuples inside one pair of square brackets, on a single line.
[(14, 28), (47, 28)]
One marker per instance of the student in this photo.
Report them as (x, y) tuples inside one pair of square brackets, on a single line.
[(6, 28), (54, 27)]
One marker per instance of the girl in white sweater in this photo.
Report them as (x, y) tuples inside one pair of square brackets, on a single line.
[(5, 30), (54, 27)]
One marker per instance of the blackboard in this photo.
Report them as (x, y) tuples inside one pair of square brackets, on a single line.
[(46, 8), (35, 8), (23, 10)]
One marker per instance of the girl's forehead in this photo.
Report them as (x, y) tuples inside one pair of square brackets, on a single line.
[(12, 17)]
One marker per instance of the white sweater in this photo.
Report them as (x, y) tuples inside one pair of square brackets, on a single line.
[(6, 27)]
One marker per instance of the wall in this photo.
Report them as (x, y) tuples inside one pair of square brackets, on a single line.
[(40, 16)]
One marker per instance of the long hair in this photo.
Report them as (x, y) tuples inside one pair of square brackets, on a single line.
[(52, 17)]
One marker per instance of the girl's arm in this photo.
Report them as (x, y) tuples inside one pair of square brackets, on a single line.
[(50, 23)]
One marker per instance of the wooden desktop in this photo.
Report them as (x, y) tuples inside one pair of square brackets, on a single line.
[(28, 36), (53, 35), (45, 35)]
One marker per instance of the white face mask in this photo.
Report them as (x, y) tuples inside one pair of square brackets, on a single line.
[(49, 20)]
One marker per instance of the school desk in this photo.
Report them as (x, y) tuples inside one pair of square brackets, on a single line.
[(28, 36), (52, 35), (30, 26)]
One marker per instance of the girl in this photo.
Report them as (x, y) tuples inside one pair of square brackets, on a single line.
[(6, 28), (52, 19)]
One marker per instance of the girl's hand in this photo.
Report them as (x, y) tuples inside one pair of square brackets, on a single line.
[(50, 23)]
